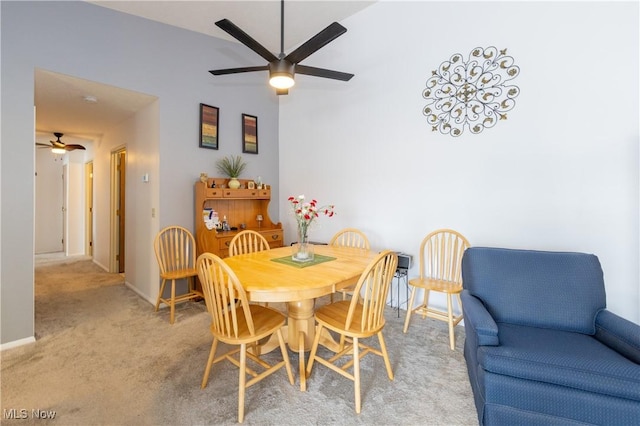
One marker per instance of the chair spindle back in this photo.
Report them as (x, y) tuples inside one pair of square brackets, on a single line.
[(373, 287), (175, 249), (441, 255), (350, 237), (247, 242)]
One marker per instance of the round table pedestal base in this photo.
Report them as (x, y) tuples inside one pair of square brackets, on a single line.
[(301, 319)]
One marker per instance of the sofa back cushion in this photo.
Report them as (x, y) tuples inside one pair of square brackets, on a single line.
[(559, 290)]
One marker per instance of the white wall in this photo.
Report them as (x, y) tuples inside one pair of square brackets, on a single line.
[(142, 198), (561, 173), (75, 226), (140, 136), (48, 201)]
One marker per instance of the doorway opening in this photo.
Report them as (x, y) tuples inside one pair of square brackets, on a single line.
[(49, 203)]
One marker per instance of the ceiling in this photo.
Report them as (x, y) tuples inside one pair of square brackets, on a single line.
[(61, 105), (60, 99), (260, 19)]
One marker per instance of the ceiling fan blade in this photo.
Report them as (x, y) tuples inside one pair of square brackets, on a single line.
[(239, 70), (319, 40), (44, 145), (244, 38), (73, 146), (321, 72)]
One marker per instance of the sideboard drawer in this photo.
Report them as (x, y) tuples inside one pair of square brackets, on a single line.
[(223, 246), (275, 237), (213, 193)]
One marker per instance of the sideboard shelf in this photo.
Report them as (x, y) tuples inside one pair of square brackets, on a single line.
[(240, 207)]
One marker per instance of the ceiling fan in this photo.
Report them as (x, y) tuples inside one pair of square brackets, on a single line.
[(59, 147), (283, 67)]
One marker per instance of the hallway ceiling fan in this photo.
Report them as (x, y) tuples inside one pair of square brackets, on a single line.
[(59, 147), (283, 67)]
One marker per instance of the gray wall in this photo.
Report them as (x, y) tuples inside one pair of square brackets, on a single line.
[(98, 44)]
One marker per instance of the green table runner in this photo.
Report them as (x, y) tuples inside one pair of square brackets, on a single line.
[(318, 258)]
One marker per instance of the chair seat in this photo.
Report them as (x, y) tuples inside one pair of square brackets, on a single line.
[(334, 316), (179, 274), (266, 321), (561, 358), (437, 285)]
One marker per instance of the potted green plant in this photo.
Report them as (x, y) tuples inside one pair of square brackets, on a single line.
[(232, 167)]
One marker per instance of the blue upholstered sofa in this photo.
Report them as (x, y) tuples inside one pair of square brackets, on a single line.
[(540, 346)]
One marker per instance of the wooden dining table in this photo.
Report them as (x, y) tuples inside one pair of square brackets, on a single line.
[(271, 276)]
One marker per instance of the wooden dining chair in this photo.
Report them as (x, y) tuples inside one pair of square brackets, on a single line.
[(247, 242), (349, 237), (360, 318), (238, 324), (175, 250), (441, 271)]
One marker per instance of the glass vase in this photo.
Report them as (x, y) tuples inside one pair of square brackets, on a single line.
[(303, 249)]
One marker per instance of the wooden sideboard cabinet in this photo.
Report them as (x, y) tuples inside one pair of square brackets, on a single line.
[(240, 206)]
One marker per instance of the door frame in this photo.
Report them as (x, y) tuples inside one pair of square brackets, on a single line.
[(88, 209), (118, 209), (65, 208)]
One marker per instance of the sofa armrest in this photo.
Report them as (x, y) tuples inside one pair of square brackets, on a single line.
[(619, 334), (479, 321)]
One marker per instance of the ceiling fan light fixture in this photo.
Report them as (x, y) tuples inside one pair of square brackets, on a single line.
[(281, 74), (281, 81), (58, 150)]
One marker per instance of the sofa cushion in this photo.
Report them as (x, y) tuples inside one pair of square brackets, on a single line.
[(558, 290), (562, 358), (537, 403)]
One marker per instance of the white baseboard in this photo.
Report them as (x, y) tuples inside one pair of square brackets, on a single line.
[(100, 265), (16, 343), (139, 293)]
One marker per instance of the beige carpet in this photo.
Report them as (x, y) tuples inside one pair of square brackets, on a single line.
[(104, 357)]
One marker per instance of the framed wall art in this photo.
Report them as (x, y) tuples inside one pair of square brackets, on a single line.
[(208, 126), (249, 134)]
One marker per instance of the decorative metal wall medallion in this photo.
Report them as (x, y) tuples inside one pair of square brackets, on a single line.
[(475, 94)]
